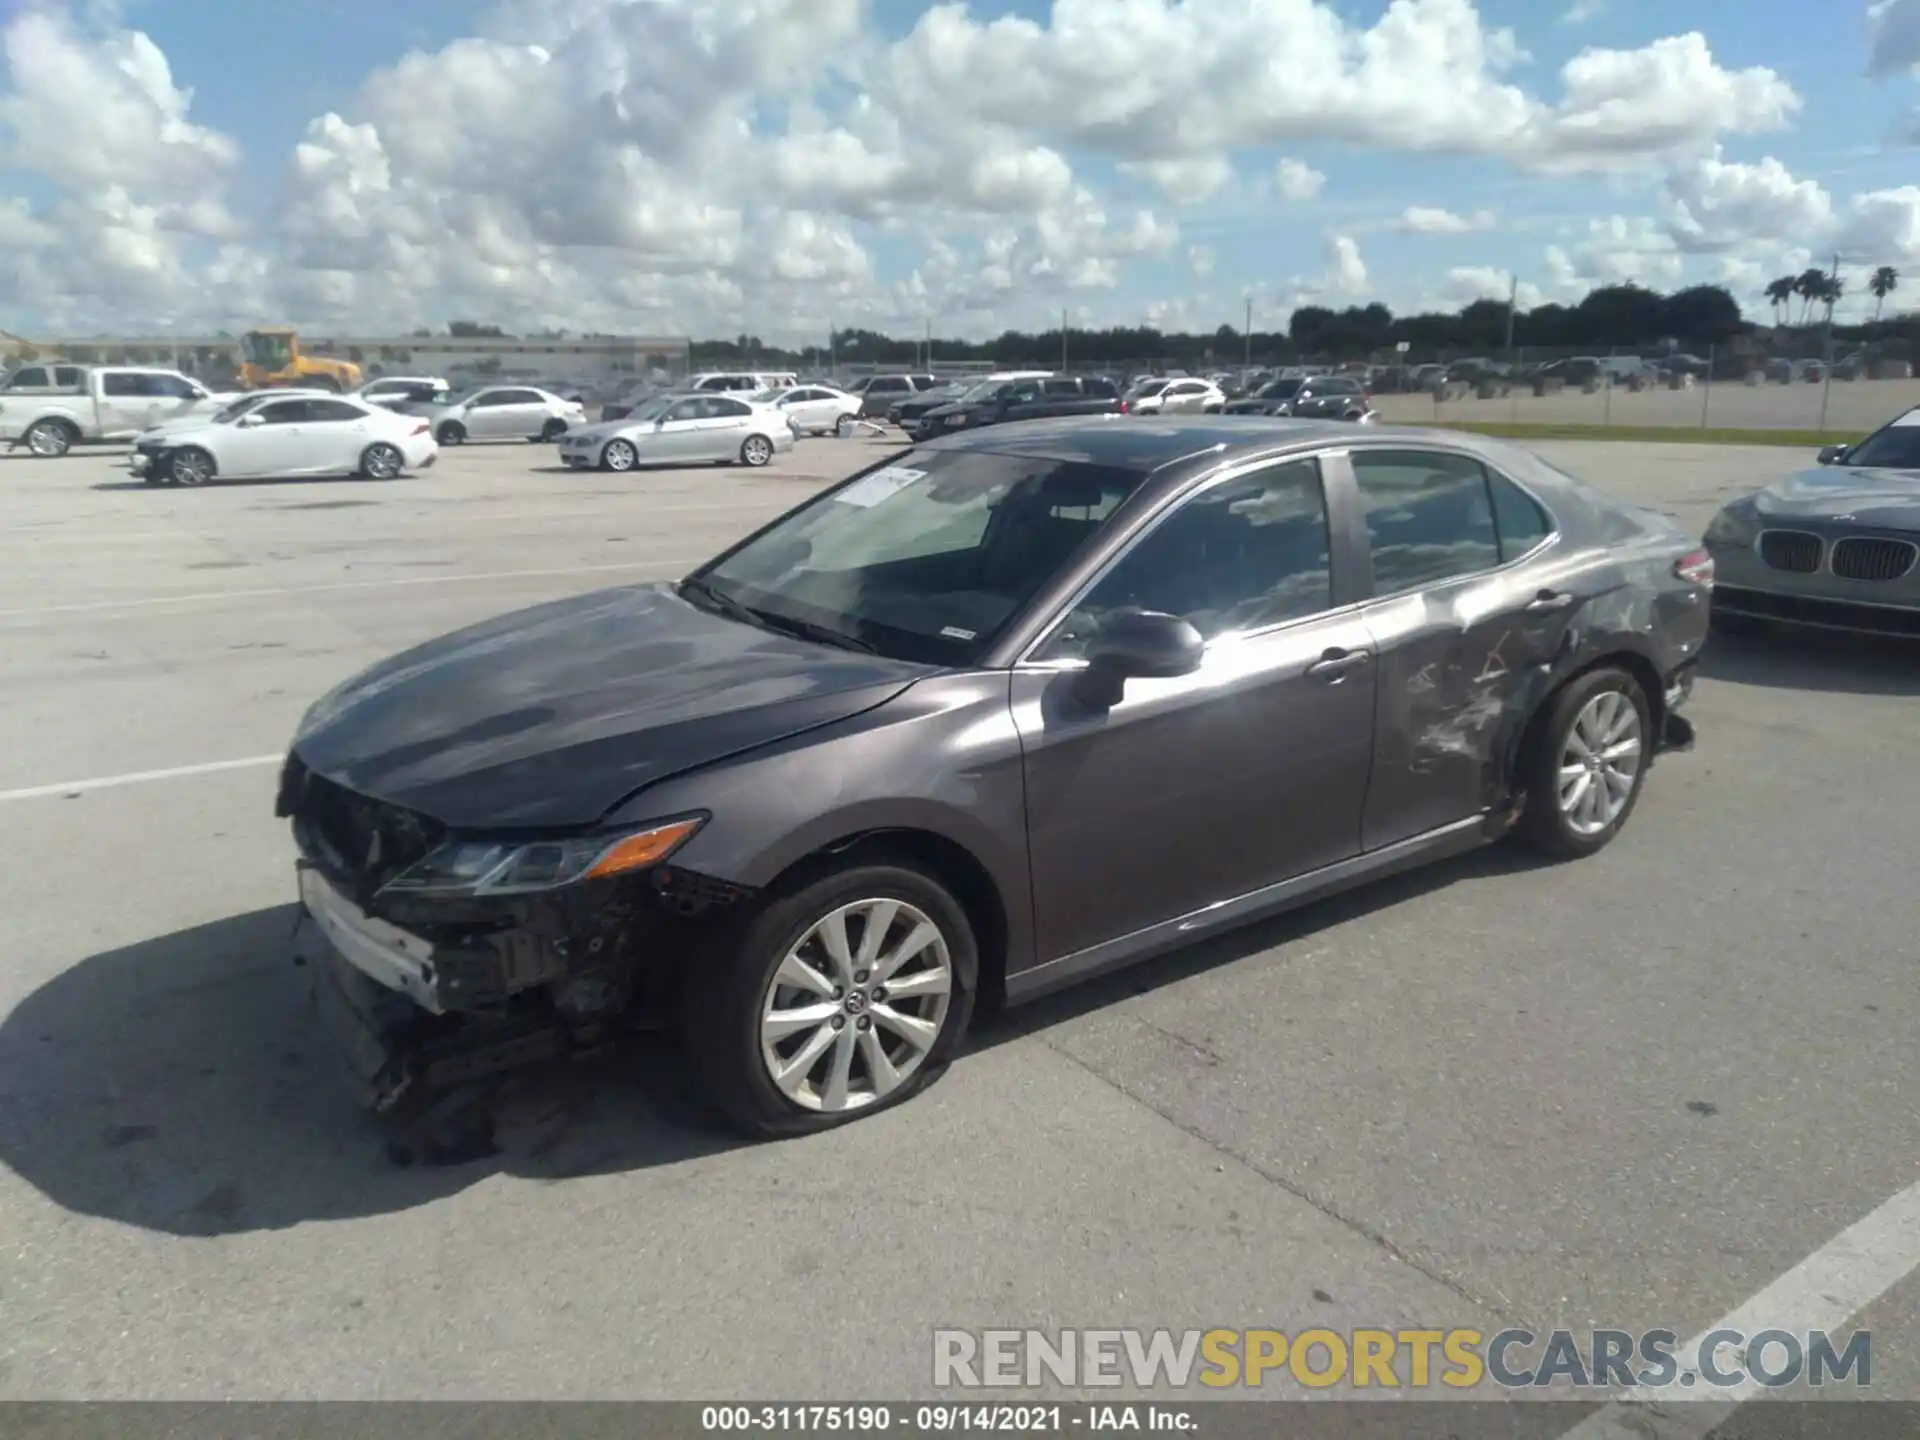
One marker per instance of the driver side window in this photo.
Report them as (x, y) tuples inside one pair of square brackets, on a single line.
[(1241, 555), (688, 410)]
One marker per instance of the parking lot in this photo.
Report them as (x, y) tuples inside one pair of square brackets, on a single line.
[(1630, 1092)]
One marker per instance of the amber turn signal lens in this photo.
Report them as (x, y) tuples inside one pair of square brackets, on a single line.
[(648, 847)]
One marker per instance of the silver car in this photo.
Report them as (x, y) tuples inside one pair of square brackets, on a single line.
[(681, 430), (1832, 548), (502, 412)]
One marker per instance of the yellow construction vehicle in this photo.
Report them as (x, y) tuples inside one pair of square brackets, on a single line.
[(270, 356)]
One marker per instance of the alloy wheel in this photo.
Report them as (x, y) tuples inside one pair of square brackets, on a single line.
[(1600, 762), (382, 462), (856, 1005), (48, 441), (757, 450), (619, 455), (191, 467)]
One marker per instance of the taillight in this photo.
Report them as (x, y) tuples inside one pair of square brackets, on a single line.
[(1696, 568), (1122, 409), (421, 428)]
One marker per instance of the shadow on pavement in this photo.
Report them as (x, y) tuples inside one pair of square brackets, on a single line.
[(187, 1084), (1783, 658)]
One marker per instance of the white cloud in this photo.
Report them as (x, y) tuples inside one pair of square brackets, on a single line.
[(1467, 283), (1431, 220), (1581, 11), (1882, 227), (1346, 271), (1200, 259), (1298, 180), (1617, 250), (1184, 182), (1717, 205)]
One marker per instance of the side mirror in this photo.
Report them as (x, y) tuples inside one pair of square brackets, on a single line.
[(249, 420), (1139, 645), (1832, 454)]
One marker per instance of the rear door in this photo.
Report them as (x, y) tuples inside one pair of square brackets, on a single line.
[(335, 433), (522, 414), (1466, 610), (722, 429)]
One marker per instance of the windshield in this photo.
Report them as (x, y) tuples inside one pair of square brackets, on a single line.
[(272, 350), (926, 558), (1897, 447), (227, 414)]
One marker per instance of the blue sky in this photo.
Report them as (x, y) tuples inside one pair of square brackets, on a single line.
[(259, 77)]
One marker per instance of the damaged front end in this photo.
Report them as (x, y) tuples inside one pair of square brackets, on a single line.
[(441, 959)]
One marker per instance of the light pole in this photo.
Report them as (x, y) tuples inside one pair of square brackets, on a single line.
[(1246, 358)]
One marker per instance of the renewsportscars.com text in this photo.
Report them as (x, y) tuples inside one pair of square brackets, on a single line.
[(1397, 1359)]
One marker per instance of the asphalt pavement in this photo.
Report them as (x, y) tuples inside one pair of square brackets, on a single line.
[(1630, 1092)]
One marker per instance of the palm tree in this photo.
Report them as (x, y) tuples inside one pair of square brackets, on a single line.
[(1780, 294), (1809, 286), (1885, 281), (1832, 287)]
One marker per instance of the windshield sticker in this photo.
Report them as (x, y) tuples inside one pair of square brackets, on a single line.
[(879, 485), (954, 632)]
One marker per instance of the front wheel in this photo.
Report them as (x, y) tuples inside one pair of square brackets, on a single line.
[(847, 994), (756, 450), (381, 462), (1585, 763), (451, 433), (619, 455), (191, 466), (50, 439)]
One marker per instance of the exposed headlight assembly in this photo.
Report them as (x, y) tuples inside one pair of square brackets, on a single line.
[(476, 868)]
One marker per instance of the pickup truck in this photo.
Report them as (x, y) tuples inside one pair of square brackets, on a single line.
[(51, 408), (1044, 397)]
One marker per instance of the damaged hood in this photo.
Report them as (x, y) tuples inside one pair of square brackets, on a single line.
[(1888, 499), (550, 717)]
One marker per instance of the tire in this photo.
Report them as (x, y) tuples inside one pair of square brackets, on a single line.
[(381, 461), (734, 988), (619, 455), (1600, 712), (844, 426), (756, 450), (451, 433), (191, 466), (551, 431), (50, 439)]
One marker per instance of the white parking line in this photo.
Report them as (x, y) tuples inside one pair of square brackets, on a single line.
[(138, 777), (1822, 1292), (201, 596)]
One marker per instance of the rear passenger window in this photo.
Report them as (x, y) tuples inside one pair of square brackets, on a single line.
[(33, 377), (67, 376), (1521, 522), (1428, 517), (123, 383)]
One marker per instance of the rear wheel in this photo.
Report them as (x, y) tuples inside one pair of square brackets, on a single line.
[(848, 994), (191, 466), (1585, 763), (756, 450), (619, 455), (451, 433), (381, 462), (552, 431)]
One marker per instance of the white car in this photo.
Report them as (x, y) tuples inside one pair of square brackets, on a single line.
[(285, 436), (681, 430), (503, 412), (233, 410), (814, 409), (1184, 396), (403, 391)]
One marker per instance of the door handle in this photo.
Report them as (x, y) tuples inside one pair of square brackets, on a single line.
[(1548, 601), (1333, 666)]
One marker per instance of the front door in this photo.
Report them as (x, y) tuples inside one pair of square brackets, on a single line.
[(1198, 790), (1462, 633), (269, 440), (678, 437)]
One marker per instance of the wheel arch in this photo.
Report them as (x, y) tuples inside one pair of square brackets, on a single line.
[(956, 867), (1623, 657)]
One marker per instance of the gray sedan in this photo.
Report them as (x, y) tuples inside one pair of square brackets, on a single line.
[(1834, 547), (502, 412), (681, 430)]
